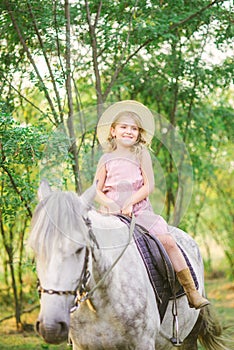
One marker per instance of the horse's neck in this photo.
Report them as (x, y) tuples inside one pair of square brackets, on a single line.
[(112, 237), (110, 233)]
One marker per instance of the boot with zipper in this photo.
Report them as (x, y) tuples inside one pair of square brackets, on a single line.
[(194, 298)]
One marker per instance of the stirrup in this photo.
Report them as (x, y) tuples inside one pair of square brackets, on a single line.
[(176, 342)]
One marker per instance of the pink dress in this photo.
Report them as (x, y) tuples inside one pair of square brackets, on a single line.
[(124, 177)]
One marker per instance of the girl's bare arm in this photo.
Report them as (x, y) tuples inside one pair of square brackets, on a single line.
[(101, 198)]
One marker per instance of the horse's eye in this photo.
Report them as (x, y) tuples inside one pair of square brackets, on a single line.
[(79, 250)]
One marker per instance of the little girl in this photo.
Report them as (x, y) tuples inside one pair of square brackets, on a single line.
[(125, 179)]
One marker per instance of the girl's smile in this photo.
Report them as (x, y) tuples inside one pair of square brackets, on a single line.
[(126, 132)]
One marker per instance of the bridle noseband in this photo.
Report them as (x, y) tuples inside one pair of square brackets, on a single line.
[(52, 291), (79, 292)]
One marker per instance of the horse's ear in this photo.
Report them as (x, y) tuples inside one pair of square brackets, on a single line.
[(44, 189), (88, 196)]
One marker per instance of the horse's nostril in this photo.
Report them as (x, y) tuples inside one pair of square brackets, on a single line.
[(64, 327)]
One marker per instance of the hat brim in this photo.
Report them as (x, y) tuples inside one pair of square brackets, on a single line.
[(107, 118)]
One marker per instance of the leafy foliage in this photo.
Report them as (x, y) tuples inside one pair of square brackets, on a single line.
[(20, 151)]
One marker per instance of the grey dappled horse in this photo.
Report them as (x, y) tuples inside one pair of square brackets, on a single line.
[(80, 250)]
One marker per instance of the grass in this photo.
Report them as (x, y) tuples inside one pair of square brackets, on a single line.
[(26, 342), (220, 292), (25, 339)]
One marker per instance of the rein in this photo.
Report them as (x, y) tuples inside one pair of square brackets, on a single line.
[(131, 230), (81, 294)]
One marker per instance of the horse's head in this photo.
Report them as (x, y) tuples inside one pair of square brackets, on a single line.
[(58, 238)]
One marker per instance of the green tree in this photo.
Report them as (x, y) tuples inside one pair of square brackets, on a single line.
[(20, 150)]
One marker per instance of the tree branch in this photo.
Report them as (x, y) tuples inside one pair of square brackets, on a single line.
[(120, 66), (92, 28), (70, 120), (46, 60), (21, 313), (98, 14), (195, 14), (23, 200), (196, 81), (25, 98), (148, 41), (57, 39), (26, 49)]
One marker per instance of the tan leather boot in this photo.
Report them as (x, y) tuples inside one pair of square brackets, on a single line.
[(194, 297)]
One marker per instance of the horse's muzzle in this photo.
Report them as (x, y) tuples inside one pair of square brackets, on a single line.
[(53, 333)]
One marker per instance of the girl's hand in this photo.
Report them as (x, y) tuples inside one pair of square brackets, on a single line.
[(127, 210)]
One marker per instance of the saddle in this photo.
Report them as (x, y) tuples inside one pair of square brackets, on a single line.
[(158, 266)]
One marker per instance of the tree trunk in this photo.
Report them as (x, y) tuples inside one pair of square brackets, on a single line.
[(15, 291), (70, 121)]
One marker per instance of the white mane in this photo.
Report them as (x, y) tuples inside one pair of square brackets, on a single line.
[(56, 220), (58, 225)]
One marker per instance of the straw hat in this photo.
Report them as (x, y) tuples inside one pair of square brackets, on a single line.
[(107, 118)]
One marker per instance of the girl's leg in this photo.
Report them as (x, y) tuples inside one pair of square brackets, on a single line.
[(175, 254), (182, 271), (158, 226)]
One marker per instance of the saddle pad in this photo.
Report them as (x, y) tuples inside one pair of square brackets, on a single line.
[(158, 266)]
